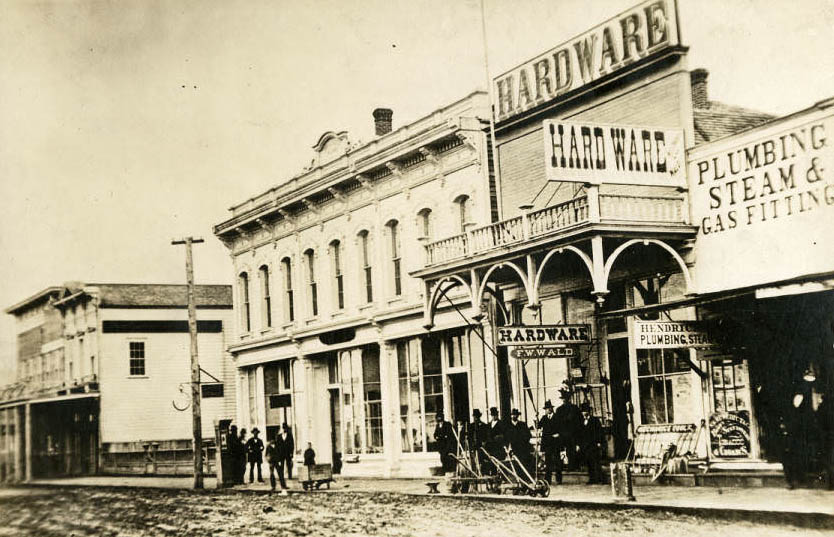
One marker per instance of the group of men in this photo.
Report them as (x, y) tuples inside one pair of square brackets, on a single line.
[(279, 455), (569, 435)]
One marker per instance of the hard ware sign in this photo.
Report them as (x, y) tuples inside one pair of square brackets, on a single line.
[(672, 334), (542, 352), (544, 335), (615, 154)]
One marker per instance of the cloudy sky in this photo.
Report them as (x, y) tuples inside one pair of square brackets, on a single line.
[(124, 124)]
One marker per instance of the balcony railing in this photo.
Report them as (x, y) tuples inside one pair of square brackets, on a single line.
[(596, 208)]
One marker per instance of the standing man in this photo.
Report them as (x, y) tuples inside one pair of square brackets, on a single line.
[(235, 453), (518, 439), (444, 436), (289, 448), (478, 433), (273, 458), (494, 443), (254, 452), (550, 442), (241, 463), (568, 418), (590, 439)]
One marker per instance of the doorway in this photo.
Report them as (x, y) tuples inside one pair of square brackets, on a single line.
[(620, 395), (459, 396), (335, 430)]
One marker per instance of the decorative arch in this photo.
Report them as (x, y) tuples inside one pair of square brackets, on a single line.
[(589, 264), (609, 263), (480, 294), (438, 289)]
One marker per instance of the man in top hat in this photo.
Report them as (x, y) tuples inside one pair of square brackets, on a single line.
[(568, 419), (444, 436), (288, 448), (518, 439), (254, 452), (478, 434), (550, 442), (494, 441), (590, 440), (235, 453)]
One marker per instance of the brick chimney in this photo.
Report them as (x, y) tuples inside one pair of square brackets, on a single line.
[(698, 80), (382, 120)]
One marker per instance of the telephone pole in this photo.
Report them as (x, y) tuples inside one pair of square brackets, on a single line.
[(195, 363)]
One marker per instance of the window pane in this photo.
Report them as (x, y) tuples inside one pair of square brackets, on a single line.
[(653, 400)]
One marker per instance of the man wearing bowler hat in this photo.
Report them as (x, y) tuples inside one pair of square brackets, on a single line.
[(254, 452), (568, 420), (550, 442), (444, 436), (478, 434), (494, 442), (518, 439)]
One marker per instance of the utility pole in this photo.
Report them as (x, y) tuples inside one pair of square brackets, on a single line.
[(195, 363)]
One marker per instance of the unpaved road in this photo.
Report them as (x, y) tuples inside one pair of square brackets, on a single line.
[(141, 512)]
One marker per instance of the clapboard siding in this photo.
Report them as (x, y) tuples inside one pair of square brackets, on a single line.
[(140, 409), (521, 151)]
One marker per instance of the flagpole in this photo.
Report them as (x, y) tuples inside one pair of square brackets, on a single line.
[(495, 166)]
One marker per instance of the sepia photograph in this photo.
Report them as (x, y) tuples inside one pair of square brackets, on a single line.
[(416, 268)]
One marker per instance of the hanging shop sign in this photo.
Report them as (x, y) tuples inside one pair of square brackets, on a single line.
[(529, 353), (672, 334), (645, 29), (544, 335), (764, 203), (729, 434), (615, 154)]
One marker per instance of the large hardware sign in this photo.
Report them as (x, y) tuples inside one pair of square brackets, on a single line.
[(649, 27), (616, 154), (544, 335), (764, 203)]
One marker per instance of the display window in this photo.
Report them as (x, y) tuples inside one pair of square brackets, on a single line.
[(729, 420), (661, 375)]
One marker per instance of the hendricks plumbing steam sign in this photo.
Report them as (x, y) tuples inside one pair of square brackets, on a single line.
[(672, 334), (615, 154), (649, 27), (764, 203)]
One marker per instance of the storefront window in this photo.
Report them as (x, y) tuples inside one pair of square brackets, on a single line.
[(373, 399), (661, 374), (361, 400), (432, 387), (729, 422), (408, 368)]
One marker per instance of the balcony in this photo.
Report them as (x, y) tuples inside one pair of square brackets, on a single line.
[(592, 211)]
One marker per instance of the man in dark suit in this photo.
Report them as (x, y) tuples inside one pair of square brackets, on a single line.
[(273, 458), (494, 441), (550, 442), (590, 440), (236, 453), (289, 448), (568, 418), (444, 436), (254, 453), (518, 439)]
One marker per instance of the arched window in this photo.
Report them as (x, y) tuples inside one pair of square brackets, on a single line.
[(243, 286), (310, 259), (336, 263), (424, 221), (289, 310), (464, 204), (365, 259), (266, 300), (394, 248)]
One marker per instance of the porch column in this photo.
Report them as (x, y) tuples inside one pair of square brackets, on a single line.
[(310, 404), (27, 433), (19, 444), (389, 391), (242, 379), (598, 264), (260, 401)]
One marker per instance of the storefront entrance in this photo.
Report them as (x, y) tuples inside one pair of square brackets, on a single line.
[(459, 397)]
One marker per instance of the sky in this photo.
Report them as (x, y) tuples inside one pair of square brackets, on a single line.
[(126, 124)]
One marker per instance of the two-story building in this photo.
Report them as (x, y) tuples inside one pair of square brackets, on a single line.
[(104, 379), (635, 210), (330, 324)]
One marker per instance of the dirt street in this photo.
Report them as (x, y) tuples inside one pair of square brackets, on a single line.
[(141, 512)]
